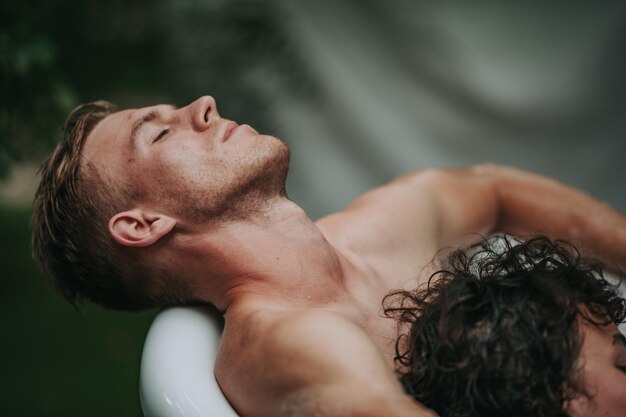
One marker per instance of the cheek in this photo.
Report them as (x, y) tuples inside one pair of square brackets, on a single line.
[(187, 168), (171, 163), (615, 393), (610, 398)]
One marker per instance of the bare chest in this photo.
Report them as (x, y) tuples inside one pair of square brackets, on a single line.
[(376, 293)]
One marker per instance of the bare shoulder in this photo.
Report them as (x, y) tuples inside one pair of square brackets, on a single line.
[(394, 227), (313, 336), (420, 190), (401, 225), (322, 337), (273, 360)]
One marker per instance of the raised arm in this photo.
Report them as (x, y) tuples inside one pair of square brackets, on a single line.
[(439, 207), (525, 204), (321, 366)]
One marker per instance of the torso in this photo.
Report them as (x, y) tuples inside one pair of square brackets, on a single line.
[(241, 358), (242, 362)]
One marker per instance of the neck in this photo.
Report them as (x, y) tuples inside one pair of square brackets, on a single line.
[(279, 255)]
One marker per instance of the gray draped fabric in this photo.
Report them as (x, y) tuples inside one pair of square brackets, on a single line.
[(384, 87)]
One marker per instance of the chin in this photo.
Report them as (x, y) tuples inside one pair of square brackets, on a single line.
[(272, 173), (262, 174)]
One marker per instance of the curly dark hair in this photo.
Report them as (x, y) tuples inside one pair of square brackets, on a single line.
[(496, 332)]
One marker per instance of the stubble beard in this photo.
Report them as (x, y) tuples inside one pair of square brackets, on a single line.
[(248, 188)]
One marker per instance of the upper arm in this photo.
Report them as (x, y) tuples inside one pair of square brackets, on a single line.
[(439, 207), (463, 200), (319, 364)]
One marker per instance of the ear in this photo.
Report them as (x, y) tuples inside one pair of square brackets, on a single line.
[(138, 229)]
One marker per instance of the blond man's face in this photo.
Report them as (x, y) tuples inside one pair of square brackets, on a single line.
[(188, 159)]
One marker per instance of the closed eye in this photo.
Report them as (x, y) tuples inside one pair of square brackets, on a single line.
[(161, 135)]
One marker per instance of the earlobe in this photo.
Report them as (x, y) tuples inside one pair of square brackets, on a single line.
[(137, 229)]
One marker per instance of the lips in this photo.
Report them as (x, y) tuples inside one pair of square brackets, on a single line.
[(230, 128)]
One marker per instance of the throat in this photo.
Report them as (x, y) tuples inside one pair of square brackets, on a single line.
[(283, 257), (311, 275)]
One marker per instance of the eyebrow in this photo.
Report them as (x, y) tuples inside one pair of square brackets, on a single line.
[(139, 123)]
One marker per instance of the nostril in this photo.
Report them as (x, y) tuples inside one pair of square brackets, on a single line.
[(207, 114)]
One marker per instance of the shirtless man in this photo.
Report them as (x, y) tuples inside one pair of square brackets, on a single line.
[(162, 205)]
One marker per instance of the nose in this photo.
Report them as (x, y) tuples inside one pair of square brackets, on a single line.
[(204, 112)]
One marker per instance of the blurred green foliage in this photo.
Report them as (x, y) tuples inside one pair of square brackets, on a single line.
[(57, 362), (55, 54), (33, 94)]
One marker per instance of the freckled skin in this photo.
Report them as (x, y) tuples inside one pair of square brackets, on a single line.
[(191, 160)]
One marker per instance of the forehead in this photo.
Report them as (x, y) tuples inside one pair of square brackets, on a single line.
[(599, 341), (116, 131), (109, 135)]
